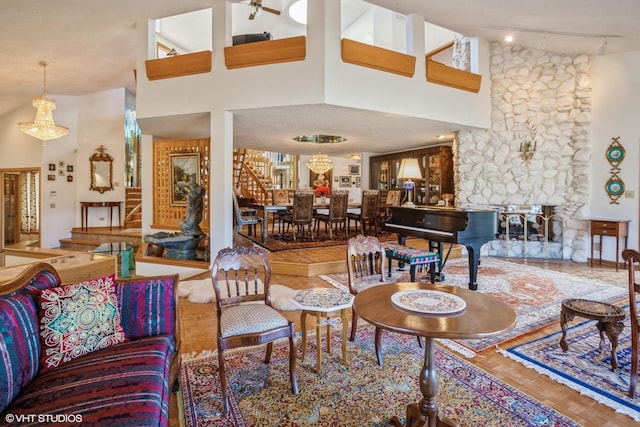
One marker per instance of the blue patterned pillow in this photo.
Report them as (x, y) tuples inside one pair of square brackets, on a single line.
[(78, 319)]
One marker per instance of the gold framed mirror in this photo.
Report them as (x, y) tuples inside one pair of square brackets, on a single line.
[(101, 170)]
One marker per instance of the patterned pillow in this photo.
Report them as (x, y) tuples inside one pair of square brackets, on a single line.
[(78, 319)]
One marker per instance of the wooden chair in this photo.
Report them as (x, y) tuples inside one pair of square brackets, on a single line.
[(368, 212), (632, 258), (241, 275), (365, 264), (301, 213), (248, 217), (391, 198), (279, 197), (337, 214)]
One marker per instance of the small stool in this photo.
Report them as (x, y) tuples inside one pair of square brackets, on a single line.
[(609, 318), (413, 257), (321, 302)]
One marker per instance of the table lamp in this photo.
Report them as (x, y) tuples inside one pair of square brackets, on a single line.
[(409, 170)]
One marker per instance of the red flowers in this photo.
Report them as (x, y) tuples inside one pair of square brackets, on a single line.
[(322, 190)]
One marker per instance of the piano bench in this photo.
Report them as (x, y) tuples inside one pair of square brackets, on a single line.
[(413, 257)]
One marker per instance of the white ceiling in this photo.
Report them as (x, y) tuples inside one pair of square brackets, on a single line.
[(90, 47)]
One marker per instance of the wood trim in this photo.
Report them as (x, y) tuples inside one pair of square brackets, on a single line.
[(266, 52), (440, 49), (452, 77), (179, 65), (378, 58)]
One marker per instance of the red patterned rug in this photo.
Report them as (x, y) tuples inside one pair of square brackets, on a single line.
[(356, 395), (534, 293)]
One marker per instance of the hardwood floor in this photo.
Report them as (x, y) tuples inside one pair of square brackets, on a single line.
[(197, 328)]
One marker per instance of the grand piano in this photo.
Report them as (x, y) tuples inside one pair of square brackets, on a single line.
[(469, 227)]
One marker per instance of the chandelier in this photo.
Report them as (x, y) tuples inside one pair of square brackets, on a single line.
[(43, 126), (320, 163)]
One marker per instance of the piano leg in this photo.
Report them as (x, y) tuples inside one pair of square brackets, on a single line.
[(474, 261)]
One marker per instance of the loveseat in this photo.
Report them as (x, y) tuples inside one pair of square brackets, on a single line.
[(54, 372)]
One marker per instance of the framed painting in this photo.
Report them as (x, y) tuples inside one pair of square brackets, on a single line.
[(345, 181), (316, 179), (184, 168), (354, 169)]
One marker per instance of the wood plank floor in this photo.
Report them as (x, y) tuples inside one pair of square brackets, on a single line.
[(197, 328)]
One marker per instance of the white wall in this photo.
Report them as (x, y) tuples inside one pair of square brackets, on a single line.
[(100, 122), (616, 113)]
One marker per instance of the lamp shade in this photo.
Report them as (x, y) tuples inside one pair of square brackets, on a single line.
[(409, 169)]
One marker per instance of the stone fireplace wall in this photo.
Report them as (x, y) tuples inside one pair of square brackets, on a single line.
[(553, 93)]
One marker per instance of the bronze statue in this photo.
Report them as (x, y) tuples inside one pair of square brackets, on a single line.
[(190, 226)]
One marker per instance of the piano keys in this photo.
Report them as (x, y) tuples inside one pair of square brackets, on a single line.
[(469, 227)]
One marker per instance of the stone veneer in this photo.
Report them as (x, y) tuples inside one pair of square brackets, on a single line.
[(553, 91)]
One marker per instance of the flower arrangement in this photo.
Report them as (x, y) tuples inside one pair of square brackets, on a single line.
[(322, 191)]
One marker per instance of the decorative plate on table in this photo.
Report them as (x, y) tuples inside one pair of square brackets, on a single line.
[(428, 301)]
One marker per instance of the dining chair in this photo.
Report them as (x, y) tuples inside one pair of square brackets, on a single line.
[(392, 198), (241, 279), (632, 258), (365, 266), (301, 213), (280, 197), (337, 214), (249, 218), (368, 212)]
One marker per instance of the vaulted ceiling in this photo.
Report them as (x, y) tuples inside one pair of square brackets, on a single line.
[(90, 45)]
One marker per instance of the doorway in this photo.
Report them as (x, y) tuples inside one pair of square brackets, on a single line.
[(20, 206)]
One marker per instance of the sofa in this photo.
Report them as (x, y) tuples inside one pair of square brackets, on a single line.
[(101, 352)]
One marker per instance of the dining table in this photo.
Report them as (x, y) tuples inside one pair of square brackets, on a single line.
[(268, 209), (431, 311)]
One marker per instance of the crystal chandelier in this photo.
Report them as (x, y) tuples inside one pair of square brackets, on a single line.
[(43, 126), (320, 163)]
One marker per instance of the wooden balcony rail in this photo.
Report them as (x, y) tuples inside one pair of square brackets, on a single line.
[(448, 76), (378, 58), (266, 52), (179, 65)]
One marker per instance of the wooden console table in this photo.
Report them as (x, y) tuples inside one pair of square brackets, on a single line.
[(609, 227), (84, 212)]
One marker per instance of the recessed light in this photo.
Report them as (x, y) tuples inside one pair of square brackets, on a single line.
[(508, 38)]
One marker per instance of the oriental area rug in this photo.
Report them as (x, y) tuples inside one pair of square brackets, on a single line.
[(583, 367), (362, 394), (534, 293)]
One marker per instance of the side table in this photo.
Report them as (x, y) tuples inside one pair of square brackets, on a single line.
[(609, 318), (609, 227), (321, 302)]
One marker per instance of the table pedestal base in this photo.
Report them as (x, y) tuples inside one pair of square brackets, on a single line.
[(416, 419)]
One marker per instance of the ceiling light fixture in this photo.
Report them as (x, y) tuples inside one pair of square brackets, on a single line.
[(298, 11), (320, 162), (508, 38), (43, 127)]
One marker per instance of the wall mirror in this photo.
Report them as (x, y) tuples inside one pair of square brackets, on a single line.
[(101, 170)]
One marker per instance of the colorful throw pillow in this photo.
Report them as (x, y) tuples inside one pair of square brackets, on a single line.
[(78, 319)]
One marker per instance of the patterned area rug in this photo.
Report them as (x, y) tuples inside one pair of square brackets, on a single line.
[(534, 293), (583, 367), (358, 395)]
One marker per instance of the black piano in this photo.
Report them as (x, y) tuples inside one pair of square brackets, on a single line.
[(469, 227)]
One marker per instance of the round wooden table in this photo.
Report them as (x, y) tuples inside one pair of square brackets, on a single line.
[(483, 316)]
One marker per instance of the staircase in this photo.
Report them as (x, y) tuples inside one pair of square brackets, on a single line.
[(131, 231), (253, 174), (133, 207)]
